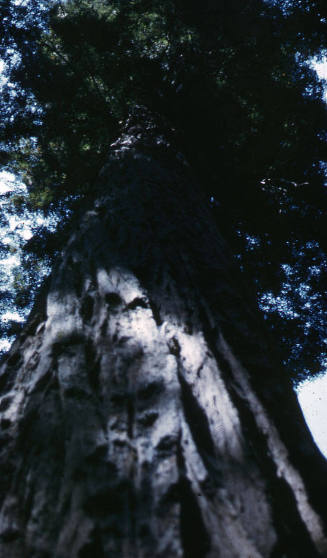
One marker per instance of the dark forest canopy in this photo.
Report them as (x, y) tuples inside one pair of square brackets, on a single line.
[(232, 81)]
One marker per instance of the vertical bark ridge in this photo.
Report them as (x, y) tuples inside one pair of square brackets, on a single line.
[(279, 452), (283, 499)]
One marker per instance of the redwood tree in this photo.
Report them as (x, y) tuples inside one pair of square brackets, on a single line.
[(144, 409), (143, 413)]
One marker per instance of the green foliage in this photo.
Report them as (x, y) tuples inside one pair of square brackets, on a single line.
[(232, 78)]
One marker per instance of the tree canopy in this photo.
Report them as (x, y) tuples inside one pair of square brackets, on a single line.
[(233, 81)]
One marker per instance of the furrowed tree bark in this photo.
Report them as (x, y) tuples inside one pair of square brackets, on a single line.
[(142, 411)]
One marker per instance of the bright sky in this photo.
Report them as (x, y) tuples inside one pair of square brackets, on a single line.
[(21, 227), (321, 69), (313, 400)]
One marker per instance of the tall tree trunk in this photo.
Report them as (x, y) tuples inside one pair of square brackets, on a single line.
[(142, 412)]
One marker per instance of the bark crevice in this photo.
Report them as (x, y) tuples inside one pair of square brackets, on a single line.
[(195, 537)]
